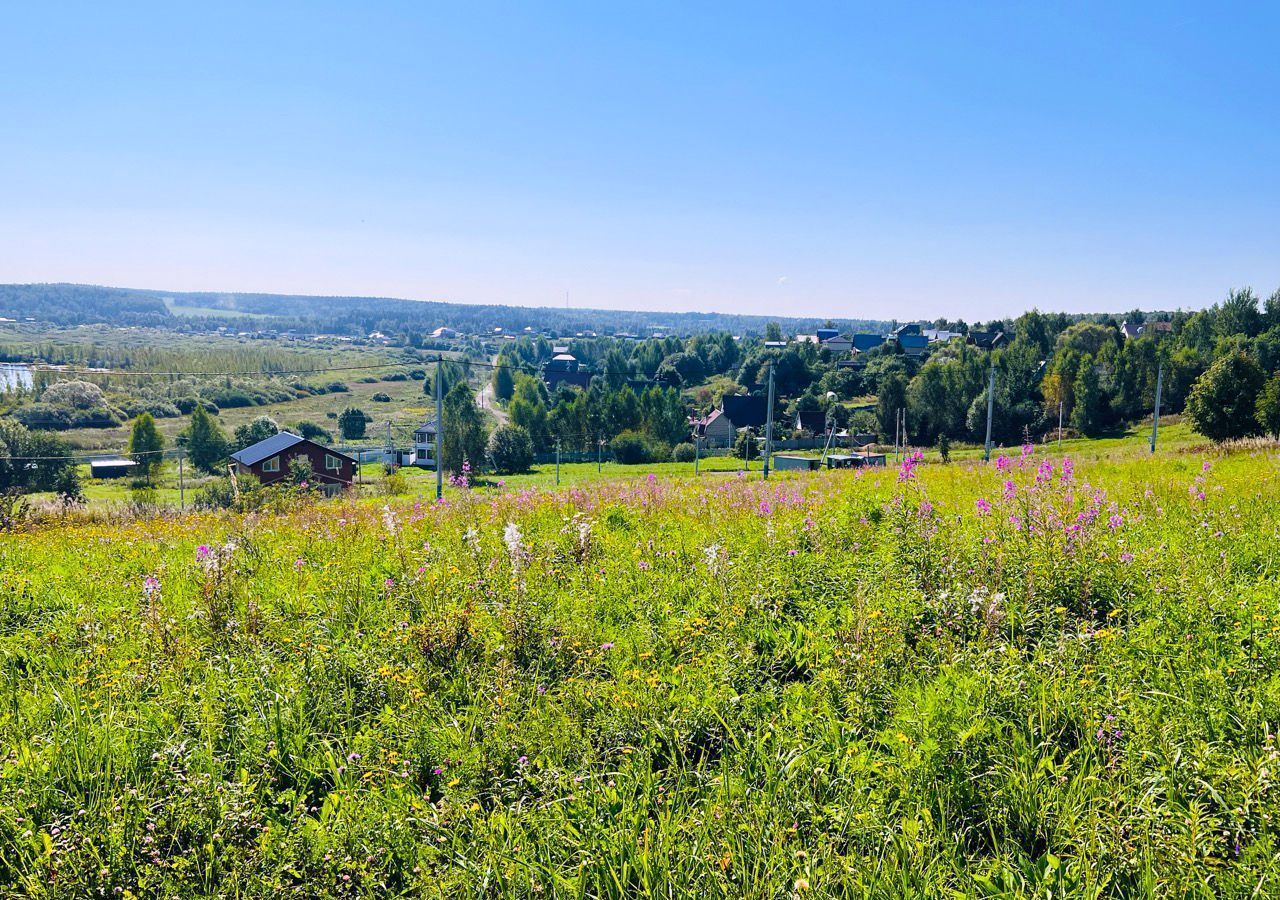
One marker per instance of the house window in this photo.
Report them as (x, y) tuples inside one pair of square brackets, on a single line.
[(332, 463), (271, 465)]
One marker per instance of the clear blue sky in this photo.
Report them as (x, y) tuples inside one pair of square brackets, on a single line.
[(851, 160)]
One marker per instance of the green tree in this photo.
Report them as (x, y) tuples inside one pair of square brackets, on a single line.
[(510, 449), (504, 382), (205, 441), (32, 460), (464, 435), (261, 428), (528, 409), (1089, 410), (891, 397), (66, 484), (145, 446), (1224, 400), (680, 369), (351, 423), (773, 332), (1086, 338), (451, 372), (664, 416), (1238, 314), (1268, 413)]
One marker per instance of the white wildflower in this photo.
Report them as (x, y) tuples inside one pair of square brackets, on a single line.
[(389, 520), (712, 555), (511, 536)]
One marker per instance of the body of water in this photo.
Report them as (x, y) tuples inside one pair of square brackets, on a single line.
[(14, 375)]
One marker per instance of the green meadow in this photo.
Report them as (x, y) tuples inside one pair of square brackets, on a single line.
[(1050, 676)]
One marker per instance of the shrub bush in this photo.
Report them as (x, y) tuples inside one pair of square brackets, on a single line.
[(510, 449), (630, 448), (684, 453)]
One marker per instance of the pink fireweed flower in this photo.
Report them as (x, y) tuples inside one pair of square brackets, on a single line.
[(765, 508), (907, 471), (1126, 557), (1010, 490), (1045, 472), (608, 645), (1028, 449), (983, 506), (1068, 469), (203, 551), (389, 583), (1002, 463), (1115, 522)]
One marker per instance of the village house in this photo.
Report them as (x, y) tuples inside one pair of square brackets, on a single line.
[(714, 430), (564, 369), (1129, 330), (811, 422), (424, 445), (986, 340), (867, 341), (268, 460), (744, 411), (912, 344)]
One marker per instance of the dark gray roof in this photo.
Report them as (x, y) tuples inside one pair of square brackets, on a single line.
[(745, 412), (268, 447), (113, 461), (278, 443)]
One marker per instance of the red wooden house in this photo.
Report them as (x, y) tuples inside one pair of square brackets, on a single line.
[(268, 460)]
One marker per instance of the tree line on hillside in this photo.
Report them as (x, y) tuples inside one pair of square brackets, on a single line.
[(1085, 370), (74, 304)]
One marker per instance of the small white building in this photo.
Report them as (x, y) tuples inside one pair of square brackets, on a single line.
[(424, 445)]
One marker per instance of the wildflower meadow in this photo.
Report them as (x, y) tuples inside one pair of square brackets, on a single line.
[(1036, 677)]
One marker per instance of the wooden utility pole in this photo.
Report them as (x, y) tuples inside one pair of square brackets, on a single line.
[(768, 426), (1155, 415), (991, 408), (439, 425)]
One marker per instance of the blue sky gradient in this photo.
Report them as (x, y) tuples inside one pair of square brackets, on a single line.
[(851, 160)]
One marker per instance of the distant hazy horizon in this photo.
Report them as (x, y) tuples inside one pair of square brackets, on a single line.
[(851, 161)]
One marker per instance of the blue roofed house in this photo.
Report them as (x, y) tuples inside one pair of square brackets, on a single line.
[(912, 344), (866, 341)]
